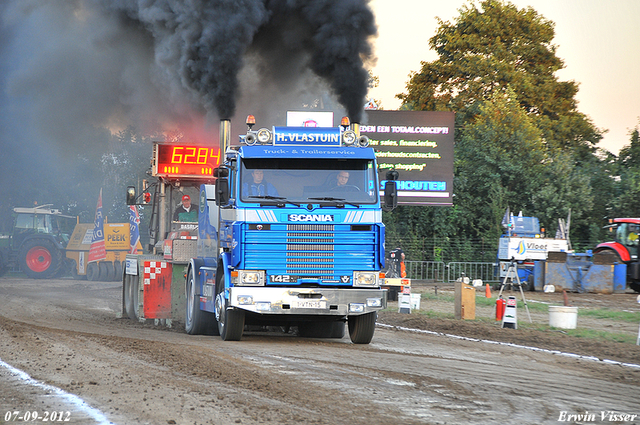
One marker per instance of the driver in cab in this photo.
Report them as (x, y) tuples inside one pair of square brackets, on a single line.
[(632, 237), (258, 186), (341, 184), (343, 178)]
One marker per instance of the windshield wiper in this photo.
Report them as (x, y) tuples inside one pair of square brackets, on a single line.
[(275, 198), (338, 201)]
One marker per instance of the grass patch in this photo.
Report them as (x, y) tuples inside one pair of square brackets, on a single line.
[(428, 313), (605, 313), (436, 314), (603, 336), (432, 296), (600, 335), (483, 301)]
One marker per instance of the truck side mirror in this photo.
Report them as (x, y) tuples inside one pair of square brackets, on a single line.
[(390, 195), (131, 195), (391, 190), (221, 172), (222, 191)]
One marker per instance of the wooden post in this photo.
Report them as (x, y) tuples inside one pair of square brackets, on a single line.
[(465, 301)]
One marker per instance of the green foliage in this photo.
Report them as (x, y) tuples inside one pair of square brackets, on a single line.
[(626, 203), (520, 140), (494, 46), (499, 162)]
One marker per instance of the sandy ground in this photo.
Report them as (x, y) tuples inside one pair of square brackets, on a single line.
[(66, 335)]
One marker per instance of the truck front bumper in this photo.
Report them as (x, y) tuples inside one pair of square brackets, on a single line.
[(308, 301)]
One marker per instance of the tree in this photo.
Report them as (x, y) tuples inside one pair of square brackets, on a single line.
[(628, 185), (499, 163), (493, 46), (520, 140)]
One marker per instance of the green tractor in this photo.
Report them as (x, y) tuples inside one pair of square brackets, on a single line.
[(37, 242)]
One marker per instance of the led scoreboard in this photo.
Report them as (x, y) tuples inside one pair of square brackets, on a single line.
[(177, 160)]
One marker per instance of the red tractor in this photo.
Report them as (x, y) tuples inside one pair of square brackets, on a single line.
[(625, 248)]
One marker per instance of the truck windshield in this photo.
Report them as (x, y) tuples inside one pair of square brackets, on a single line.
[(352, 181)]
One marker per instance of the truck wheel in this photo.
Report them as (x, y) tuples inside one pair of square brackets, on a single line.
[(40, 259), (117, 271), (197, 321), (126, 293), (131, 296), (106, 271), (93, 272), (135, 296), (361, 327), (635, 286), (74, 271), (3, 265), (230, 320)]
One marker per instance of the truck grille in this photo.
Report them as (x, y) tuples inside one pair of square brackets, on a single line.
[(324, 251)]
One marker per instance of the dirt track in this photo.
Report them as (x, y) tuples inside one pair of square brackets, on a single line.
[(65, 333)]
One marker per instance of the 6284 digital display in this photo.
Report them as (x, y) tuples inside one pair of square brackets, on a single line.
[(186, 161)]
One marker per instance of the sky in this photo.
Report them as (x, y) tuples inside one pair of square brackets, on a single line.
[(599, 42)]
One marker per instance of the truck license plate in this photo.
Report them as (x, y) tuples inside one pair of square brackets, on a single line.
[(311, 304)]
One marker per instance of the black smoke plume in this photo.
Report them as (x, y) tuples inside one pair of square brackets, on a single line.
[(203, 44), (76, 76)]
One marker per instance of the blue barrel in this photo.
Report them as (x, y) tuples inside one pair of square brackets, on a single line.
[(619, 277)]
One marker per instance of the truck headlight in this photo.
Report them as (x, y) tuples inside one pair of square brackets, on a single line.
[(250, 278), (263, 306), (374, 302), (356, 308), (245, 299), (365, 279)]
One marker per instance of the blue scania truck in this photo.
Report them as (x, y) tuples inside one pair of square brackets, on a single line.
[(289, 234)]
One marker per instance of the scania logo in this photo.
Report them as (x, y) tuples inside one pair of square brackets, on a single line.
[(310, 217)]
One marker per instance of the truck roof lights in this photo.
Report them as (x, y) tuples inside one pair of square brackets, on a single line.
[(264, 136), (305, 136), (349, 137), (251, 138), (363, 141), (251, 121)]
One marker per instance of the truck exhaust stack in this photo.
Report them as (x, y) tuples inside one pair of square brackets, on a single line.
[(363, 141), (225, 135)]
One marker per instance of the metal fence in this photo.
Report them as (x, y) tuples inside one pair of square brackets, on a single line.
[(440, 272)]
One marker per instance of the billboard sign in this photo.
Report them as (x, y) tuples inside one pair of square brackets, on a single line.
[(419, 145)]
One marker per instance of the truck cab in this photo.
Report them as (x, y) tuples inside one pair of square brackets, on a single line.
[(290, 234)]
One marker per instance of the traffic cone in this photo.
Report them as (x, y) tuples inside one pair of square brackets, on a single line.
[(487, 291)]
